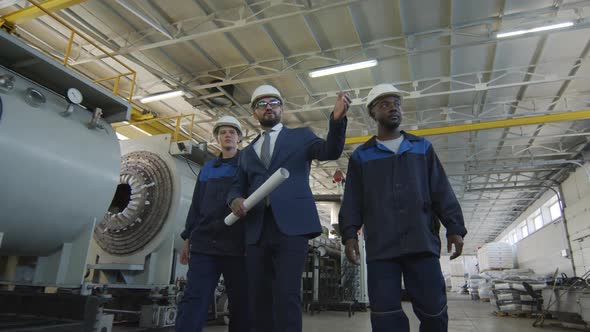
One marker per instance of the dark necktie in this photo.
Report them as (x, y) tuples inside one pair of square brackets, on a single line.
[(265, 155)]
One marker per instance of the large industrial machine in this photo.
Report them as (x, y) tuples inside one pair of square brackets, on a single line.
[(136, 245), (58, 172), (89, 229), (135, 242)]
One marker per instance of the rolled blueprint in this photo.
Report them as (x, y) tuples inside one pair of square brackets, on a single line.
[(264, 190)]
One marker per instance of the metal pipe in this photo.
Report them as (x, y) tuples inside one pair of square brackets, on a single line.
[(111, 77), (64, 23), (581, 165), (69, 48), (116, 86), (117, 311), (157, 120), (316, 276), (176, 129), (133, 78), (95, 117), (565, 226), (145, 18)]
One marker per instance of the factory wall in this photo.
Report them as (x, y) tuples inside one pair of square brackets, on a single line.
[(544, 250), (576, 192)]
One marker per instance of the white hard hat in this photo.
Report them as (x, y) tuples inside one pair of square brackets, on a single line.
[(265, 91), (230, 121), (381, 90)]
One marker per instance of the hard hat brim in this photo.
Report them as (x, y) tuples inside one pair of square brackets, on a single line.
[(226, 124), (387, 93)]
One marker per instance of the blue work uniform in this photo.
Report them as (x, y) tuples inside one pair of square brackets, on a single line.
[(215, 249), (400, 198)]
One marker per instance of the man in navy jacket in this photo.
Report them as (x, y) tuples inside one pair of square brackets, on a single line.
[(397, 189), (277, 229), (211, 248)]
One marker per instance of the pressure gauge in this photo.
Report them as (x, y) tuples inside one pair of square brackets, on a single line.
[(74, 96)]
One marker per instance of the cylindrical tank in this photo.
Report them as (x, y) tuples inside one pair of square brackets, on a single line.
[(57, 176)]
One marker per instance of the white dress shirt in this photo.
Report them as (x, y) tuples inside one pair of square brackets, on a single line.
[(273, 139)]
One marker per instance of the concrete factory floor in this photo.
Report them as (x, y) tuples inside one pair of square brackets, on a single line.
[(464, 314)]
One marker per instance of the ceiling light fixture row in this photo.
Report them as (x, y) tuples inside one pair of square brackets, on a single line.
[(342, 68)]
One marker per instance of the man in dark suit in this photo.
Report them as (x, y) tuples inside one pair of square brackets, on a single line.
[(278, 228)]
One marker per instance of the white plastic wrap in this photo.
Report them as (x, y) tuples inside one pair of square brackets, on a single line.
[(264, 190), (495, 255)]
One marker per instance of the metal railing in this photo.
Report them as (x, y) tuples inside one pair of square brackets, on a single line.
[(159, 125), (173, 123), (130, 73)]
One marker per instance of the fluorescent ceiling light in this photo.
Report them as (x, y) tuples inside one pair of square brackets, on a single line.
[(161, 96), (543, 28), (343, 68)]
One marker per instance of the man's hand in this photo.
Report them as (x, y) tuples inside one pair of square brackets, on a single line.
[(342, 104), (352, 251), (237, 207), (185, 253), (457, 240)]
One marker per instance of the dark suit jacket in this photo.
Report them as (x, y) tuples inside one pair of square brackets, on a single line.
[(292, 202)]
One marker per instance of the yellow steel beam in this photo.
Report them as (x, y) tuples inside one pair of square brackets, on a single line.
[(32, 12), (156, 128), (153, 128), (149, 124), (129, 132), (137, 115), (521, 121)]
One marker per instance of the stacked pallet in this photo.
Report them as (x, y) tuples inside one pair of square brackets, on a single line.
[(510, 296), (480, 287), (495, 256), (473, 284)]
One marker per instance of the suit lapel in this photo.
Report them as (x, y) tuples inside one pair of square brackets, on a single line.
[(281, 149)]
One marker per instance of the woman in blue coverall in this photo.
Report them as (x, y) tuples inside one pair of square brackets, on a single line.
[(211, 248)]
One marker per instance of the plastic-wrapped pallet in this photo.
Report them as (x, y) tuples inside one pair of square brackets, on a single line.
[(485, 291), (473, 284), (494, 256), (511, 296)]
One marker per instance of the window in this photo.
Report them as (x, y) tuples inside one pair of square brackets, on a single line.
[(524, 230), (538, 222), (514, 237), (555, 211), (531, 225), (552, 200)]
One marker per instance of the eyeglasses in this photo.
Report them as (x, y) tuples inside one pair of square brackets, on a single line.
[(385, 104), (261, 105)]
